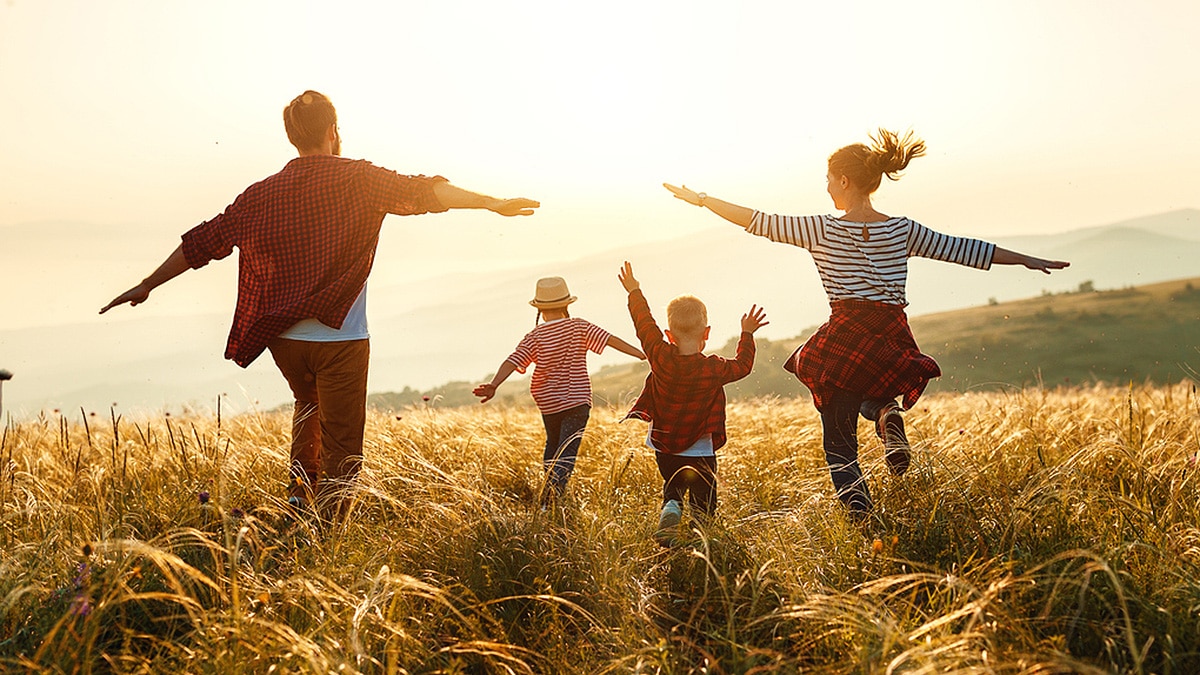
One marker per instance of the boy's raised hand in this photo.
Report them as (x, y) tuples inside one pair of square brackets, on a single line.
[(754, 319), (625, 276)]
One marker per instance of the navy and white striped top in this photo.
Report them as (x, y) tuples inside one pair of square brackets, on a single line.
[(869, 261)]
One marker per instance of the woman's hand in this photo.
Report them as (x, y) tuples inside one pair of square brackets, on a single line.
[(1003, 256), (686, 194), (1044, 265)]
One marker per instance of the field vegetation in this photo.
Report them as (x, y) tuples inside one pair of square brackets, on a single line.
[(1039, 531)]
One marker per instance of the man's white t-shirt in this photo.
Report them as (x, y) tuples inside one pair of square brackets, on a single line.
[(353, 328)]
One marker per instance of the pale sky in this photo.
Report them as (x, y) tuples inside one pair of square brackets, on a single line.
[(135, 120)]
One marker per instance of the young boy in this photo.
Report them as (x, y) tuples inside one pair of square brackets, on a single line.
[(684, 398)]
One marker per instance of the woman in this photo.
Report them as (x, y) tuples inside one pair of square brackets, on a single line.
[(865, 356)]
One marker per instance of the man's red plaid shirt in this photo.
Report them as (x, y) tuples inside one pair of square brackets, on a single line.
[(684, 395), (306, 238)]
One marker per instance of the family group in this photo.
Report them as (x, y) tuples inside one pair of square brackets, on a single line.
[(307, 236)]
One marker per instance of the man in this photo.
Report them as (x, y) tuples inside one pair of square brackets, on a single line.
[(306, 238)]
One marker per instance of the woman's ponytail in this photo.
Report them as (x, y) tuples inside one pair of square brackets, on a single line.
[(888, 155), (893, 152)]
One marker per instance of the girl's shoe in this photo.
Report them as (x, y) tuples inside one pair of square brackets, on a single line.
[(890, 427)]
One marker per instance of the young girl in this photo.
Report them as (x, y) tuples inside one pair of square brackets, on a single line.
[(560, 385), (865, 356)]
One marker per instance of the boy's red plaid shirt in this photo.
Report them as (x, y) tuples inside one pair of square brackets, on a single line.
[(684, 396)]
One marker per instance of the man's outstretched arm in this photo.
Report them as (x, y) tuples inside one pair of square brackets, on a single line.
[(453, 197), (173, 266)]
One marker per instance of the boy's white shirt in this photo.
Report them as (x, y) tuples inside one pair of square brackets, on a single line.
[(703, 447), (353, 328)]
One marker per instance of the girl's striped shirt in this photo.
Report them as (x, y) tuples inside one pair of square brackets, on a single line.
[(558, 349), (869, 261)]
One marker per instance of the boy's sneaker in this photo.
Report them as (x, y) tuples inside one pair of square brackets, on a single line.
[(890, 428), (668, 523)]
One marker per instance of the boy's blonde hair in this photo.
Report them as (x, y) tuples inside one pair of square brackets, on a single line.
[(687, 316)]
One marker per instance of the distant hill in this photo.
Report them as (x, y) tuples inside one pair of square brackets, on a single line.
[(1142, 334)]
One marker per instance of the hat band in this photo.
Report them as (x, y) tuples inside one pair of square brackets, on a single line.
[(565, 297)]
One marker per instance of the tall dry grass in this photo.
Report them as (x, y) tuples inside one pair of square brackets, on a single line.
[(1037, 532)]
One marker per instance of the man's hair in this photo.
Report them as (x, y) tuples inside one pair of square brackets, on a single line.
[(307, 119), (687, 316)]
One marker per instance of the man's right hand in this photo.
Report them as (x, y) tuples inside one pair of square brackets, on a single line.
[(134, 296)]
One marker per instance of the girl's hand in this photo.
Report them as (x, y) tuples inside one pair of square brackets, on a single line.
[(754, 319), (485, 392)]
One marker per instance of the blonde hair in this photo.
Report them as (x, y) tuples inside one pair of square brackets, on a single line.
[(307, 118), (687, 316), (888, 155)]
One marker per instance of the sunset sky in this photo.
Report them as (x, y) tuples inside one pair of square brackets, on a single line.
[(125, 123)]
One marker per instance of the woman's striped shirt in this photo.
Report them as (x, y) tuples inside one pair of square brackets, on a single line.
[(558, 349), (869, 261)]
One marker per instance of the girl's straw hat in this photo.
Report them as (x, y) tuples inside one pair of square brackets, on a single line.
[(552, 293)]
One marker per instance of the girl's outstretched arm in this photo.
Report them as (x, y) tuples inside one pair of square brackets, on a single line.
[(487, 391), (1003, 256), (738, 215), (625, 348)]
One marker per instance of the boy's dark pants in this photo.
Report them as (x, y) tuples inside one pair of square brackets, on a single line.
[(839, 422), (564, 432), (697, 476)]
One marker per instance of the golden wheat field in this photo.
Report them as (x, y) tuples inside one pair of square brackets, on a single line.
[(1037, 532)]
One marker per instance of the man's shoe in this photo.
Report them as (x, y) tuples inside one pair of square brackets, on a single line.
[(890, 427)]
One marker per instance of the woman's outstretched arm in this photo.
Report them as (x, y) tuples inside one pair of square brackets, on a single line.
[(1003, 256), (738, 215)]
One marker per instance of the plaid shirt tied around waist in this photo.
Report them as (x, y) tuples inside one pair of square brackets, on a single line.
[(306, 238), (866, 347), (684, 395)]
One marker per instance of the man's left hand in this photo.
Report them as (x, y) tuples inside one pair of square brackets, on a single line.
[(514, 207)]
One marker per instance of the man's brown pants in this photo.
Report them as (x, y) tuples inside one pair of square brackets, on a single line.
[(329, 383)]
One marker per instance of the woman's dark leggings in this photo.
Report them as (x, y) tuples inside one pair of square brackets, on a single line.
[(839, 422), (564, 432), (697, 476)]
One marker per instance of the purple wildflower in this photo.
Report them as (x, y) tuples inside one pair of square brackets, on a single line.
[(81, 605)]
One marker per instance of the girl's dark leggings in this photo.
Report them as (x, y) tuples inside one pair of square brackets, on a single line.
[(839, 423), (564, 432), (697, 476)]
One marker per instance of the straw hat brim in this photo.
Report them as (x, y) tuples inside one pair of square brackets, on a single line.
[(555, 304)]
